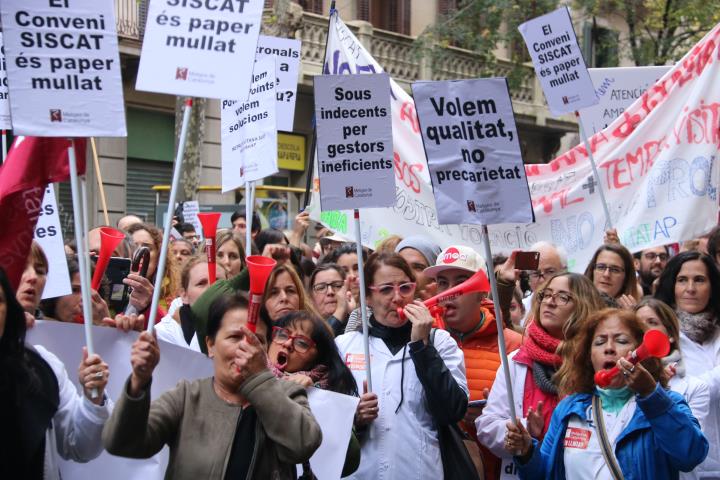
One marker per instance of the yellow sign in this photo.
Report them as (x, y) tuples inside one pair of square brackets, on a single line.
[(291, 151)]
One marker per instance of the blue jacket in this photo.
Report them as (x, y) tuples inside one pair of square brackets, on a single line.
[(661, 439)]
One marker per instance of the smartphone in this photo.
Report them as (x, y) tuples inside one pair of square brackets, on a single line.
[(117, 295), (477, 403), (527, 260)]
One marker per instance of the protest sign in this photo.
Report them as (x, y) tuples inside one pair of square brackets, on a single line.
[(49, 235), (691, 211), (616, 89), (473, 151), (63, 68), (334, 413), (354, 141), (5, 122), (249, 131), (190, 210), (558, 61), (200, 48), (286, 52), (66, 340)]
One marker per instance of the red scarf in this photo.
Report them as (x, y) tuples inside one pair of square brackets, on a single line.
[(540, 346), (319, 375)]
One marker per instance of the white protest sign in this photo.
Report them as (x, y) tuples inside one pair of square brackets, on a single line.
[(249, 131), (286, 52), (354, 141), (616, 89), (681, 108), (558, 61), (49, 235), (66, 340), (334, 413), (63, 68), (190, 210), (200, 48), (5, 121), (473, 152)]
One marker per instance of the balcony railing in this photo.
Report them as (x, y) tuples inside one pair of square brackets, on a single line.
[(395, 52)]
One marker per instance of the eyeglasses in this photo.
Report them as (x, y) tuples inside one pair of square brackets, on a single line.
[(651, 256), (561, 298), (601, 267), (301, 343), (404, 289), (322, 287), (537, 274)]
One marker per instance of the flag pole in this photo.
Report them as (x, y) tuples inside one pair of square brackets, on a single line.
[(601, 190), (363, 303), (101, 187), (248, 220), (4, 145), (160, 272), (81, 251), (499, 321)]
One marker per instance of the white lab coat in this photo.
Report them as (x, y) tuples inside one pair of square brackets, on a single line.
[(491, 425), (169, 330), (77, 425), (402, 445), (697, 394), (703, 361)]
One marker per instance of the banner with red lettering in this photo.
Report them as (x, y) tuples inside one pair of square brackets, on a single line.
[(657, 161)]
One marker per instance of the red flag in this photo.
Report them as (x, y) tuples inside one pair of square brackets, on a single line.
[(31, 164)]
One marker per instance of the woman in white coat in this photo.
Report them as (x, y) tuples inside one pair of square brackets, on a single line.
[(42, 417), (178, 327), (416, 386), (658, 316), (558, 310), (690, 284)]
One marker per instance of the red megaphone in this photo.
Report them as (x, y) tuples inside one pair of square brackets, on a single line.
[(109, 240), (209, 223), (655, 344), (477, 283), (259, 268)]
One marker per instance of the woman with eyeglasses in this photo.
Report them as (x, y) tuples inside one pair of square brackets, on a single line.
[(612, 270), (418, 385), (690, 284), (331, 295), (559, 308), (303, 351)]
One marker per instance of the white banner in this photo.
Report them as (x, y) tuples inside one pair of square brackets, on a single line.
[(473, 152), (333, 411), (286, 52), (617, 89), (630, 149), (354, 141), (200, 48), (558, 61), (249, 131), (5, 121), (49, 235), (63, 68), (66, 340)]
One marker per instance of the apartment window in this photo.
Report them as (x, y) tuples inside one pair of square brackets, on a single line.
[(392, 15), (600, 46)]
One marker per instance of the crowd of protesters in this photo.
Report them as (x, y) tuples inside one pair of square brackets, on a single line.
[(439, 406)]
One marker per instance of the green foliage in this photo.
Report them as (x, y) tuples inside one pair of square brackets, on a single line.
[(659, 31), (482, 26)]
